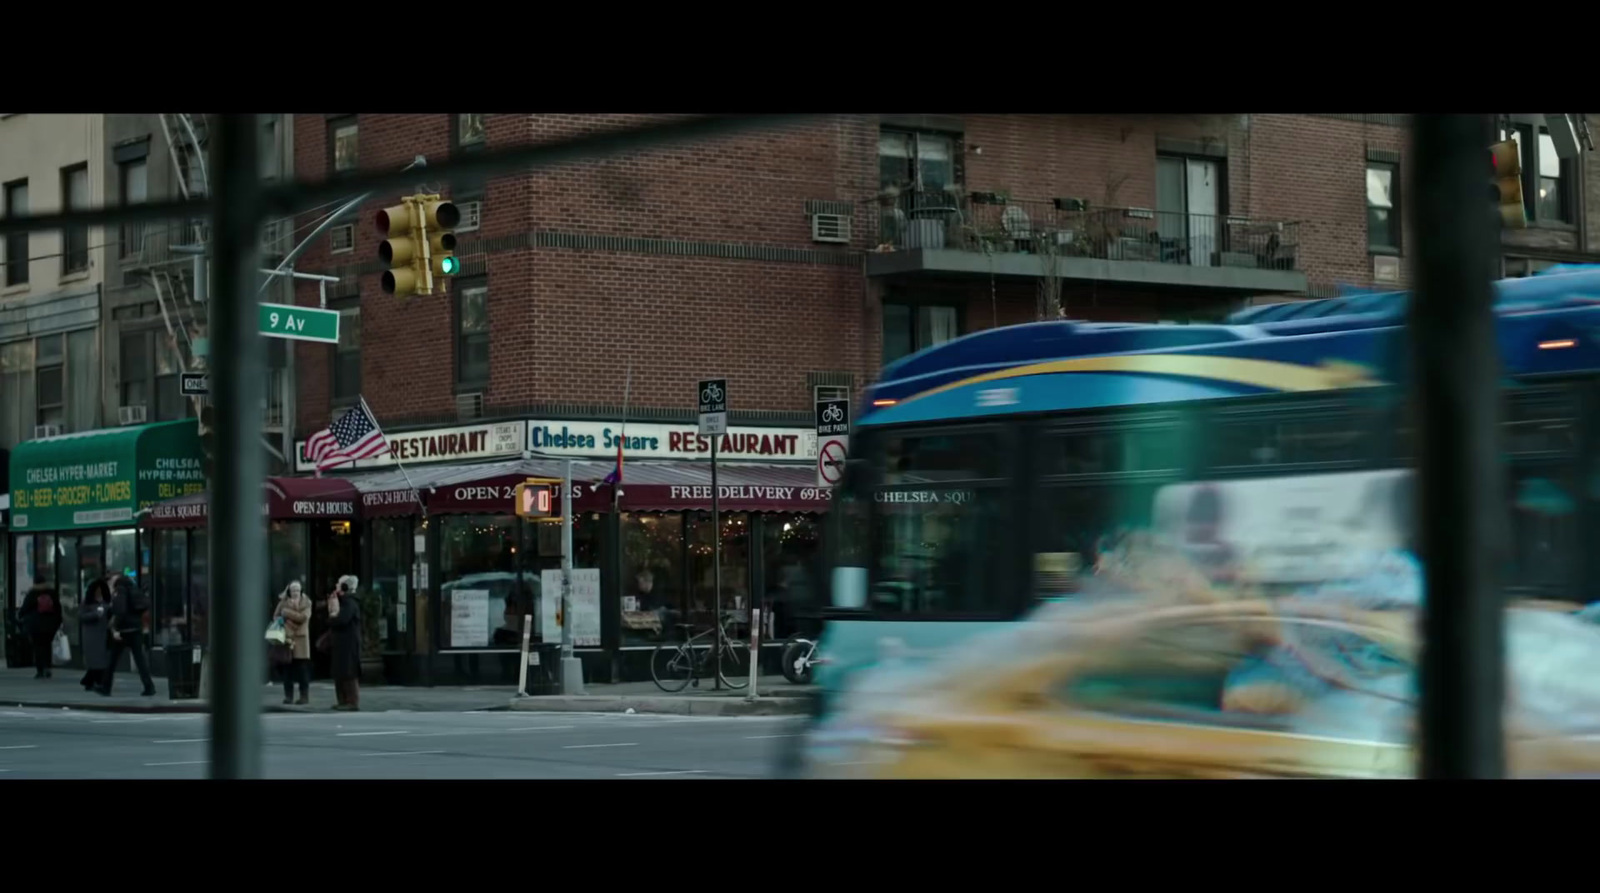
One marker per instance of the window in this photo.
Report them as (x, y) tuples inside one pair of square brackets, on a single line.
[(136, 369), (342, 148), (16, 392), (1547, 179), (132, 189), (150, 376), (472, 333), (50, 380), (16, 243), (342, 239), (75, 241), (347, 356), (1191, 198), (924, 162), (268, 148), (1383, 207), (908, 328), (470, 130)]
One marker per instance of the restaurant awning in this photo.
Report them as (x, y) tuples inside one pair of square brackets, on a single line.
[(283, 499)]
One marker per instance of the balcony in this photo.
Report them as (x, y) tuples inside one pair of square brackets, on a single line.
[(981, 234), (151, 244)]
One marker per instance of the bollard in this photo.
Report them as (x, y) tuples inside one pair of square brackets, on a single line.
[(522, 670), (755, 652)]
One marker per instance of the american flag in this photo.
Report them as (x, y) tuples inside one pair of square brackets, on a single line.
[(354, 436)]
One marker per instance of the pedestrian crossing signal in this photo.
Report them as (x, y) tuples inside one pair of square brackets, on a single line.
[(533, 500)]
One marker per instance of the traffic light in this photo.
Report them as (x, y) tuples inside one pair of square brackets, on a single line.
[(440, 218), (208, 440), (1506, 158), (400, 250), (533, 500)]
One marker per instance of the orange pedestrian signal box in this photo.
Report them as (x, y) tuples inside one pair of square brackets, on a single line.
[(535, 498)]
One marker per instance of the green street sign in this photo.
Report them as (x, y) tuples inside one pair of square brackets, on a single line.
[(299, 323)]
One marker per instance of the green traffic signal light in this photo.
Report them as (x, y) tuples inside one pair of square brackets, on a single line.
[(449, 265)]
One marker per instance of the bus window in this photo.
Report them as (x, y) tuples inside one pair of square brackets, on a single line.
[(848, 539)]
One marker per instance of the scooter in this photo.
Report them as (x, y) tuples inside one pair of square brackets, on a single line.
[(799, 656)]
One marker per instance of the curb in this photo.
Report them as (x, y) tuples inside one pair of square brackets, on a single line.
[(201, 707), (680, 706)]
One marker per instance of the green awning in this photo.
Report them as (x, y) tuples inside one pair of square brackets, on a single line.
[(102, 478)]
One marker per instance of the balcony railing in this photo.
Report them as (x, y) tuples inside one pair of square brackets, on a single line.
[(986, 223), (149, 244)]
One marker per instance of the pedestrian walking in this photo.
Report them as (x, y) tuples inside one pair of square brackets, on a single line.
[(41, 619), (344, 621), (94, 625), (294, 606), (128, 606)]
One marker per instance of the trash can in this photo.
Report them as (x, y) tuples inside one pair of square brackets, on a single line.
[(183, 672), (544, 669)]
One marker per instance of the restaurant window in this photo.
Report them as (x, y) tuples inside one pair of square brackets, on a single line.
[(16, 205), (342, 144), (482, 589), (652, 575), (347, 356), (75, 240), (472, 333), (790, 560), (735, 569), (908, 328), (392, 555)]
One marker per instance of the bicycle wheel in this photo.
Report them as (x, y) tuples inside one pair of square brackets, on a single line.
[(671, 666), (736, 664)]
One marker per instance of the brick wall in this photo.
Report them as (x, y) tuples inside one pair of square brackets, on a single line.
[(698, 258)]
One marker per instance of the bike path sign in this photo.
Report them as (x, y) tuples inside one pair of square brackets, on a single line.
[(713, 406), (833, 440)]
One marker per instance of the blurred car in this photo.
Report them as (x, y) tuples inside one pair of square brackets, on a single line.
[(1132, 687)]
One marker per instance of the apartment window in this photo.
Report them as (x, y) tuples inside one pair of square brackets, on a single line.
[(472, 333), (924, 162), (347, 356), (342, 239), (1383, 207), (50, 380), (342, 147), (16, 200), (908, 328), (1547, 179), (268, 148), (132, 189), (151, 376), (16, 393), (75, 241), (470, 130)]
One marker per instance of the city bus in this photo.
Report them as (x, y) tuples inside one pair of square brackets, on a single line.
[(989, 474)]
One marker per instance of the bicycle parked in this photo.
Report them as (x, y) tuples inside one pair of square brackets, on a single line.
[(674, 665)]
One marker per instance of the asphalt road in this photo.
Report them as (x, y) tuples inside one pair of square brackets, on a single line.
[(399, 745)]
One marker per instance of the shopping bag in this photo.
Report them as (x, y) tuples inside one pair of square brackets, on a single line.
[(61, 649), (276, 632), (279, 654)]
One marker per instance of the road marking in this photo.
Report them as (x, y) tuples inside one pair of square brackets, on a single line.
[(19, 747), (764, 737), (180, 741), (677, 772), (364, 734), (401, 753), (117, 721), (179, 763), (582, 746), (492, 731), (539, 728)]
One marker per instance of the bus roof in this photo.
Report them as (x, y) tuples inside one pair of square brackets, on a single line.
[(1289, 346)]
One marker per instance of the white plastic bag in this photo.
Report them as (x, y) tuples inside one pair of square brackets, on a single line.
[(276, 632), (61, 649)]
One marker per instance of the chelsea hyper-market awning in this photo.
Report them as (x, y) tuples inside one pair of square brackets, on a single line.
[(102, 478)]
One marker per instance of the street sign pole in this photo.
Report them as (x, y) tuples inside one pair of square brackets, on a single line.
[(713, 394), (571, 666)]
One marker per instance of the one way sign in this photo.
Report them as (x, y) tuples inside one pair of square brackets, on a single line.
[(194, 384)]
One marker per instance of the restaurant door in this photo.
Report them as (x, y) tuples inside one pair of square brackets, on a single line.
[(334, 553)]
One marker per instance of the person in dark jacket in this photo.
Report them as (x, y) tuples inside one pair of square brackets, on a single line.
[(127, 633), (94, 619), (344, 620), (41, 618)]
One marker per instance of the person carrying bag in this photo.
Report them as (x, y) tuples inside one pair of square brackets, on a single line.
[(290, 635)]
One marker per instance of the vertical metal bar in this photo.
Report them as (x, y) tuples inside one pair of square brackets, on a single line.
[(716, 570), (238, 534), (1462, 504)]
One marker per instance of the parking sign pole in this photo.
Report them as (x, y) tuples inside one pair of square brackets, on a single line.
[(716, 563)]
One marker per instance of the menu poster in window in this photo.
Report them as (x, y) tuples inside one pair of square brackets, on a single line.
[(585, 607), (469, 618)]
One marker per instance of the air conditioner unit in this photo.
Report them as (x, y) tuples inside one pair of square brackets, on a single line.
[(830, 228), (42, 431), (469, 406), (131, 415), (829, 392)]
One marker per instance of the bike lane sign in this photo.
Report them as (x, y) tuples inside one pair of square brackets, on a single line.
[(713, 406), (833, 440)]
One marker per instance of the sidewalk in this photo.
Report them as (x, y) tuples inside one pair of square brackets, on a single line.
[(18, 688), (778, 697)]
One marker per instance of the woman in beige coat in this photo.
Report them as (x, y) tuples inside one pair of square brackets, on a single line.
[(294, 606)]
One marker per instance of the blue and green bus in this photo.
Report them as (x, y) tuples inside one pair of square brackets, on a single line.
[(988, 472)]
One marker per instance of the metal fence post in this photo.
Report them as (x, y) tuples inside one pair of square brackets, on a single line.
[(1462, 503), (238, 535)]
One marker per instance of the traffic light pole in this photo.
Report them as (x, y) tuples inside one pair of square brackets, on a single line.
[(571, 666), (238, 534), (1462, 514)]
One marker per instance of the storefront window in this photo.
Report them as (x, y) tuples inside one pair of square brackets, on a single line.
[(286, 558), (199, 589), (652, 575), (735, 567), (172, 572), (790, 555), (67, 584), (122, 553), (481, 599), (392, 553)]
